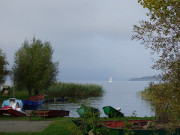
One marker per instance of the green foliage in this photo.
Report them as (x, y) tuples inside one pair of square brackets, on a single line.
[(3, 68), (72, 89), (91, 124), (166, 102), (127, 128), (161, 35), (33, 68), (161, 9)]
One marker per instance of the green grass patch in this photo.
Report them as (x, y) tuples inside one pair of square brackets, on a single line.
[(59, 126)]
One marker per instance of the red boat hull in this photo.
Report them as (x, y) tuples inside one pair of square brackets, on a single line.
[(16, 113), (3, 111), (53, 113), (121, 124), (138, 127)]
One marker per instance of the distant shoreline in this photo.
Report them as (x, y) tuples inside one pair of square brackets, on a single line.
[(145, 78)]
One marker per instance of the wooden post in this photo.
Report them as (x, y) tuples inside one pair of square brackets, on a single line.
[(13, 88)]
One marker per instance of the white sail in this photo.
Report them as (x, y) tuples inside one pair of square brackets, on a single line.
[(110, 79)]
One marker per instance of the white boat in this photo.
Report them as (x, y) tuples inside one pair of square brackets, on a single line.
[(12, 105), (110, 79)]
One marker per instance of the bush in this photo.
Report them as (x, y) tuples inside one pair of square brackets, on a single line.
[(166, 101)]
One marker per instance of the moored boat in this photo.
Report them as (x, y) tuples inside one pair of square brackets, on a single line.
[(135, 127), (87, 111), (130, 123), (11, 102), (33, 103), (111, 112), (138, 127), (52, 113)]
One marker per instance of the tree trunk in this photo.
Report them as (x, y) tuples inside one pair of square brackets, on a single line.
[(29, 90), (36, 92)]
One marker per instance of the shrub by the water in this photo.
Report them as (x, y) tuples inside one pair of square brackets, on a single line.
[(72, 89), (165, 100)]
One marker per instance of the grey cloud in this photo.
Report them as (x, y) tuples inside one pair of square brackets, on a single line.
[(91, 38)]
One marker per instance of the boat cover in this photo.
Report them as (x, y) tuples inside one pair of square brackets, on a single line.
[(8, 103)]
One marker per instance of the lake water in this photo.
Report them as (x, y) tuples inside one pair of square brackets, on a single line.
[(123, 94)]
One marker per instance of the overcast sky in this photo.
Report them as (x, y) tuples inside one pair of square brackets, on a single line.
[(91, 38)]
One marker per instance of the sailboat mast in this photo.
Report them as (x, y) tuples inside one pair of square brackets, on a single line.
[(110, 79)]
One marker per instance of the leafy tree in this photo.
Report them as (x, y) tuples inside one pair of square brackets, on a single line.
[(33, 68), (162, 35), (3, 68)]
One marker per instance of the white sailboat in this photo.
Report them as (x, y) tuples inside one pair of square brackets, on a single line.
[(110, 79)]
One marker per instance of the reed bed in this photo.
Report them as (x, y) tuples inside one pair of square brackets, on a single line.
[(71, 89)]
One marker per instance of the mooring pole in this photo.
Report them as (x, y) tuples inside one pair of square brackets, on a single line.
[(13, 87)]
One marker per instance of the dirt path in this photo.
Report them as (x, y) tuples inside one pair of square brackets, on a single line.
[(23, 126)]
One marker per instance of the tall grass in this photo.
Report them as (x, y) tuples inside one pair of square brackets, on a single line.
[(72, 89)]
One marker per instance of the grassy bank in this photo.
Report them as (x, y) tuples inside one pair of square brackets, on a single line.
[(72, 90), (59, 126)]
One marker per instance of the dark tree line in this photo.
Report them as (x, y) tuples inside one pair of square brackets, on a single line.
[(3, 68)]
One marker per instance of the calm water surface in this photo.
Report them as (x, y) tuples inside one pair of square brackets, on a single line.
[(123, 94)]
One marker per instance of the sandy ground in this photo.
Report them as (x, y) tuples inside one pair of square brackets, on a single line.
[(23, 126)]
